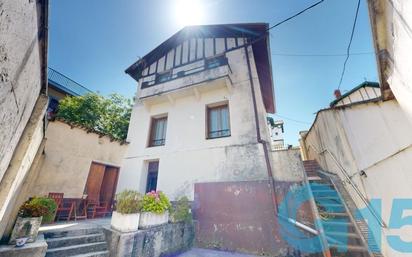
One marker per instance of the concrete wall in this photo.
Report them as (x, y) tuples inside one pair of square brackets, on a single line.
[(23, 62), (373, 137), (67, 157), (166, 240), (187, 156), (287, 165), (392, 32), (20, 72)]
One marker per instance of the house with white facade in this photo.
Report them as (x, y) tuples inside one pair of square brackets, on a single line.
[(200, 110)]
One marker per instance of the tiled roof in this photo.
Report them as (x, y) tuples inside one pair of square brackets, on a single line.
[(65, 84)]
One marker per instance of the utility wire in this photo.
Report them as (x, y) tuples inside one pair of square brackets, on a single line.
[(319, 55), (291, 119), (349, 45), (285, 20), (297, 14)]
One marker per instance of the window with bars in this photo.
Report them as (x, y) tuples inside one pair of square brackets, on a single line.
[(218, 124), (158, 131)]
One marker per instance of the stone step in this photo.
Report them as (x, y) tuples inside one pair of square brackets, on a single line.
[(77, 249), (317, 193), (74, 240), (335, 234), (71, 232), (331, 207), (349, 248), (93, 254), (337, 226), (335, 198)]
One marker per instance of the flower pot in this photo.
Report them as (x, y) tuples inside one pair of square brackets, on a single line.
[(150, 219), (125, 222), (25, 227)]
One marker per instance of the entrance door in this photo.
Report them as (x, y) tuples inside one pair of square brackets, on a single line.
[(101, 183), (108, 188), (94, 181), (152, 172)]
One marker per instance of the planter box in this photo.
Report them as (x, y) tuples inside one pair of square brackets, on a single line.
[(125, 222), (150, 219), (25, 227)]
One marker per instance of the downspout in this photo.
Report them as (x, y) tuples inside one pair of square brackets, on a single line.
[(326, 252), (258, 136)]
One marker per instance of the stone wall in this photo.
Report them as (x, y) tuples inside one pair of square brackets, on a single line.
[(158, 241)]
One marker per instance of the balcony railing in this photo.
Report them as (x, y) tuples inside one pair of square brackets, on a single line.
[(178, 72)]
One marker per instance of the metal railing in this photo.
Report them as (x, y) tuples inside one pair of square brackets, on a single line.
[(66, 84), (206, 64), (354, 186)]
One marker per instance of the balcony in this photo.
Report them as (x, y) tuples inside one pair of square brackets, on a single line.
[(193, 78)]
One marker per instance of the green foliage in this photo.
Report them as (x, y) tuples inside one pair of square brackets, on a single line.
[(181, 211), (128, 201), (156, 202), (106, 115), (51, 206), (32, 209)]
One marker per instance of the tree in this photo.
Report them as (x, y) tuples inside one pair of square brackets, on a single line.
[(106, 115)]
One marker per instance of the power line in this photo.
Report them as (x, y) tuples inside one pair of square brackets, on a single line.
[(297, 14), (285, 20), (320, 54), (349, 45), (291, 119)]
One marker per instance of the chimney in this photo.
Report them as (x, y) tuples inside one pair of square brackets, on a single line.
[(337, 93)]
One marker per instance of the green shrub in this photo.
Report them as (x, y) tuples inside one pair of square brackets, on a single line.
[(181, 211), (156, 202), (128, 201), (51, 206), (32, 210), (106, 115)]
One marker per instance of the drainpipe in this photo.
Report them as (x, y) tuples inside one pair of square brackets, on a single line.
[(259, 138)]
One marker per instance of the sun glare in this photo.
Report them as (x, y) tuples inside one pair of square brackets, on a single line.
[(189, 12)]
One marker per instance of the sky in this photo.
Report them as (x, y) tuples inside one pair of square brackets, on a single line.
[(94, 41)]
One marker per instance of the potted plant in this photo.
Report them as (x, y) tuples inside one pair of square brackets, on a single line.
[(51, 206), (126, 217), (181, 211), (28, 222), (155, 209)]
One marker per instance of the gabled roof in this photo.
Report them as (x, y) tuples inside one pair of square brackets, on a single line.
[(261, 51), (364, 84)]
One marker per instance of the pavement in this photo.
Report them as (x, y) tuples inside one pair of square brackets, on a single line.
[(197, 252)]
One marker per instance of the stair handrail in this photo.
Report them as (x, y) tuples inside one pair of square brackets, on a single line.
[(355, 187)]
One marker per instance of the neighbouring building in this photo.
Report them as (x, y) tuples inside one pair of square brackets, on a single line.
[(200, 111), (23, 100), (391, 22), (277, 132), (366, 141), (61, 86)]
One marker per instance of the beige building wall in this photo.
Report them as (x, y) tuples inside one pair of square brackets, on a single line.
[(374, 137), (67, 157), (187, 156), (392, 32)]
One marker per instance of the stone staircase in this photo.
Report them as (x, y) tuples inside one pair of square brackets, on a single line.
[(81, 242), (342, 232)]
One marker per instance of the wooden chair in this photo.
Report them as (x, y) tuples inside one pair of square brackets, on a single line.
[(97, 209), (64, 209)]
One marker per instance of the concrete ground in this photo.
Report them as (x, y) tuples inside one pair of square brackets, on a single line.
[(196, 252), (80, 224)]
